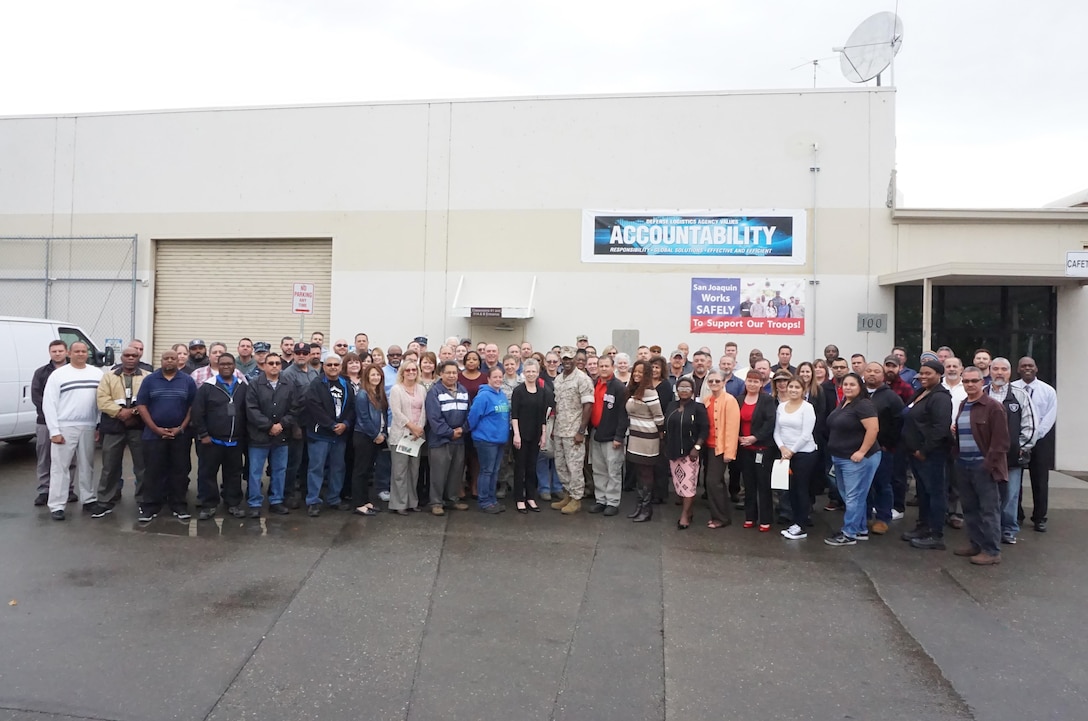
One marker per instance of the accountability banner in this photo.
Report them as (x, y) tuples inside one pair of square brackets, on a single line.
[(736, 237), (766, 306)]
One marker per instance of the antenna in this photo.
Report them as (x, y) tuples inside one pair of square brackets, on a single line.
[(871, 48), (815, 63)]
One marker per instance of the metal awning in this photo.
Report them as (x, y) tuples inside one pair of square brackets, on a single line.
[(982, 273), (495, 295)]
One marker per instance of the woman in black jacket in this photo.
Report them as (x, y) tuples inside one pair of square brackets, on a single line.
[(659, 372), (686, 427), (927, 436), (757, 451)]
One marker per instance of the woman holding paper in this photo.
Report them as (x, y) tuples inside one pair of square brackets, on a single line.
[(795, 422), (406, 400)]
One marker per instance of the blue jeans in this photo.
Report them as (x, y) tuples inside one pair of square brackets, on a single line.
[(490, 455), (257, 458), (546, 476), (882, 497), (321, 450), (854, 480), (1010, 502), (932, 486), (383, 471)]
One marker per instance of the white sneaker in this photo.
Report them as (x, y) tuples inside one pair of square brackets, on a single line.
[(794, 533), (384, 495), (897, 515)]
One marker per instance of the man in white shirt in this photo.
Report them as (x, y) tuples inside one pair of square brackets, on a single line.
[(1045, 402), (70, 406), (953, 382)]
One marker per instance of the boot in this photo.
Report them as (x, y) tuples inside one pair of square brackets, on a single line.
[(573, 506), (562, 500), (638, 509), (645, 514)]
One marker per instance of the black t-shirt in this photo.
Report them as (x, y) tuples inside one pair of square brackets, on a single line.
[(337, 393), (846, 431), (529, 411)]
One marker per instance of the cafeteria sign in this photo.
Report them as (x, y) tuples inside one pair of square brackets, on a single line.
[(738, 237)]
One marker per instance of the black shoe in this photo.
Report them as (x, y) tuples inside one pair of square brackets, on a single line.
[(146, 515), (739, 505), (101, 510), (57, 515), (597, 508), (90, 507), (72, 498), (535, 508), (494, 508), (638, 510), (344, 506), (314, 511), (279, 509), (645, 515), (918, 532), (254, 513), (237, 511), (182, 513), (206, 514), (611, 510), (294, 503), (41, 499), (1040, 526), (929, 543)]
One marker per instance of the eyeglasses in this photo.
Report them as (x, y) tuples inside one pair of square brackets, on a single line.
[(272, 363), (341, 345), (332, 365), (394, 355), (411, 370), (713, 382), (551, 361), (971, 380)]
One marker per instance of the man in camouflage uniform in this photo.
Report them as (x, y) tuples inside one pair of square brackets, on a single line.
[(573, 408)]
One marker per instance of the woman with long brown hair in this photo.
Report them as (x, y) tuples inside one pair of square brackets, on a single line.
[(352, 368), (370, 437), (646, 424)]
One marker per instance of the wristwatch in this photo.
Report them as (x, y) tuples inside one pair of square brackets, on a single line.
[(698, 447)]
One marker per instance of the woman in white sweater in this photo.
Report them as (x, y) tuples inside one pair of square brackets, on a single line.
[(406, 404), (794, 423)]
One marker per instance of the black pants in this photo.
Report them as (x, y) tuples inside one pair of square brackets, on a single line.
[(295, 478), (758, 503), (802, 467), (1042, 458), (213, 459), (167, 476), (525, 480), (662, 479), (423, 479), (366, 455), (734, 479), (716, 488)]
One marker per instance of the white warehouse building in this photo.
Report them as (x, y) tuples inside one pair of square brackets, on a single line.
[(762, 217)]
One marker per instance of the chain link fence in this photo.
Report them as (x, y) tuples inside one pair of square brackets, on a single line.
[(88, 281)]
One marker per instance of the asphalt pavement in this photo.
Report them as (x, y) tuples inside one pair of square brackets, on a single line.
[(538, 616)]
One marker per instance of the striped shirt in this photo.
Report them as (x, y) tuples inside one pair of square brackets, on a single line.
[(70, 399), (646, 423), (969, 450)]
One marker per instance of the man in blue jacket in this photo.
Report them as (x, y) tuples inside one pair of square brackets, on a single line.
[(328, 411), (447, 421)]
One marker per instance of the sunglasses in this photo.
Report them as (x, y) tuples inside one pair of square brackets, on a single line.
[(714, 382), (272, 363), (341, 345)]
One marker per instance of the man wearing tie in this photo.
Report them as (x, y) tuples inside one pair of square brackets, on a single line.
[(1045, 402)]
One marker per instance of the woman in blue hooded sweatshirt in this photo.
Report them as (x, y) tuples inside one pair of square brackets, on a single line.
[(489, 421)]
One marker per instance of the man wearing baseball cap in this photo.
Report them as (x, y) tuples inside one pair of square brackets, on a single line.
[(261, 349), (198, 356)]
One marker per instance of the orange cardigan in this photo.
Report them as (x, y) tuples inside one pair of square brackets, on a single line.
[(726, 425)]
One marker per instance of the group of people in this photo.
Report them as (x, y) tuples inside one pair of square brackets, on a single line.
[(351, 427)]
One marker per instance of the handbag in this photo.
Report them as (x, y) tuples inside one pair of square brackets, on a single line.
[(780, 475), (548, 451)]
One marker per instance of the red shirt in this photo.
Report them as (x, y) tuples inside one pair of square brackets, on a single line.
[(746, 413), (712, 431), (598, 402)]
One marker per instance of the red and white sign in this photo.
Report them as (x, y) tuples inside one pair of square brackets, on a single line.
[(302, 298)]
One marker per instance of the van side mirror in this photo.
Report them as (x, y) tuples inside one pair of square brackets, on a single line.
[(107, 357)]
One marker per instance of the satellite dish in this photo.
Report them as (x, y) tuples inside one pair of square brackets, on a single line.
[(871, 48)]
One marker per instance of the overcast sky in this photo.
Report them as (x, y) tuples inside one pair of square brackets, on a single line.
[(991, 106)]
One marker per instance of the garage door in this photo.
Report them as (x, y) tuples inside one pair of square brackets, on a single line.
[(223, 290)]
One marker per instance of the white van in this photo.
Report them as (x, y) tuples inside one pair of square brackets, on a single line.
[(24, 347)]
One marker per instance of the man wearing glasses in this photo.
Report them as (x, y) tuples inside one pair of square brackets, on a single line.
[(120, 427), (340, 348), (270, 423), (982, 435), (328, 412)]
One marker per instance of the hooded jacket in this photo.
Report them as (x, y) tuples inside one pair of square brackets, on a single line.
[(319, 412), (489, 418), (220, 412)]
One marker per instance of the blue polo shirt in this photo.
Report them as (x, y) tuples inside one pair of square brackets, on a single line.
[(167, 400)]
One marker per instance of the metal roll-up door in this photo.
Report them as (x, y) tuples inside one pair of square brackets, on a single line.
[(223, 290)]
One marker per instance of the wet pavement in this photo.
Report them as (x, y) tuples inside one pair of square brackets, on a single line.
[(530, 617)]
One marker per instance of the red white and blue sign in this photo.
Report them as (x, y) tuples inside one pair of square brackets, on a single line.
[(761, 306)]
